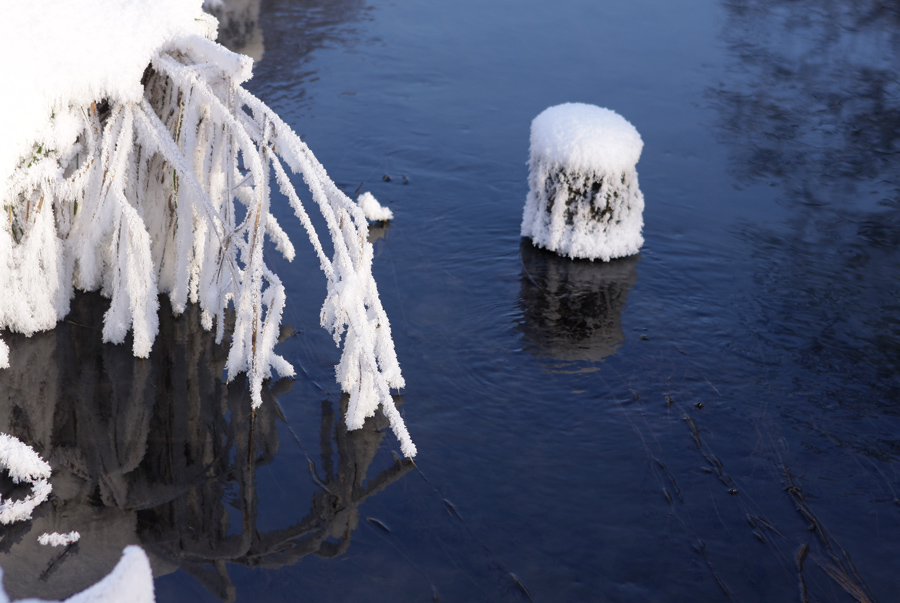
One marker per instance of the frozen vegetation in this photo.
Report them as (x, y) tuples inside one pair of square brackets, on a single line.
[(583, 199), (133, 162), (23, 465)]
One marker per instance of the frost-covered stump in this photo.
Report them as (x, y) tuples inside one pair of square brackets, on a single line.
[(583, 199)]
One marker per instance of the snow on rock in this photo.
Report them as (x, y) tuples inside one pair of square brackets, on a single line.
[(57, 539), (21, 461), (23, 464), (584, 200), (131, 580), (374, 211)]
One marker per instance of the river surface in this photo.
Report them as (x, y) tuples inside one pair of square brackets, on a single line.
[(716, 419)]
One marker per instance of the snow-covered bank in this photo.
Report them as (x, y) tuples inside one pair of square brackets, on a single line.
[(57, 54), (127, 139), (23, 465)]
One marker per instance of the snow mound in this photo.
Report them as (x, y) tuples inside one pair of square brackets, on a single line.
[(23, 465), (585, 137), (99, 61), (375, 212)]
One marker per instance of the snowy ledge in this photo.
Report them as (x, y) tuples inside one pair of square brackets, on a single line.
[(133, 162), (58, 53)]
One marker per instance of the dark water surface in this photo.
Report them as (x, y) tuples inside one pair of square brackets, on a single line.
[(685, 425)]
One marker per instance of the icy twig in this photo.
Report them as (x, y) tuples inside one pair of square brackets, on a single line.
[(57, 539), (23, 464)]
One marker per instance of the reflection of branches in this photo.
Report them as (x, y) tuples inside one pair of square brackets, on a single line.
[(325, 531), (813, 101), (154, 452), (573, 308), (322, 22), (815, 97), (828, 292)]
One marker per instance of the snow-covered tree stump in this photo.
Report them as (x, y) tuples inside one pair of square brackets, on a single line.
[(583, 199)]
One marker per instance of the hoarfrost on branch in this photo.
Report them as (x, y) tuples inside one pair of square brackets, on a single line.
[(23, 464), (57, 539)]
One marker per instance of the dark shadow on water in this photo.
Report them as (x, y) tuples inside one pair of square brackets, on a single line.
[(572, 309), (162, 453), (293, 31), (813, 96)]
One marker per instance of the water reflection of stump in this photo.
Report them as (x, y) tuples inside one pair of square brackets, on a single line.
[(572, 309), (159, 452)]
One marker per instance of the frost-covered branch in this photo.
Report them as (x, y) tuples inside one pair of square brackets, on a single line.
[(22, 464), (168, 192)]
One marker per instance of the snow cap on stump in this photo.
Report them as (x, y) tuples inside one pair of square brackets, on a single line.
[(583, 199)]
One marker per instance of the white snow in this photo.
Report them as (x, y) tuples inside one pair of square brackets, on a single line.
[(21, 461), (374, 211), (585, 137), (584, 200), (131, 580), (58, 53), (135, 196), (57, 539), (23, 464)]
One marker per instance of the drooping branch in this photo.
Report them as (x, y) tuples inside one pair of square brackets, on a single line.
[(139, 200)]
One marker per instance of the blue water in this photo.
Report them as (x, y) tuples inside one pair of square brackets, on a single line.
[(679, 426)]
